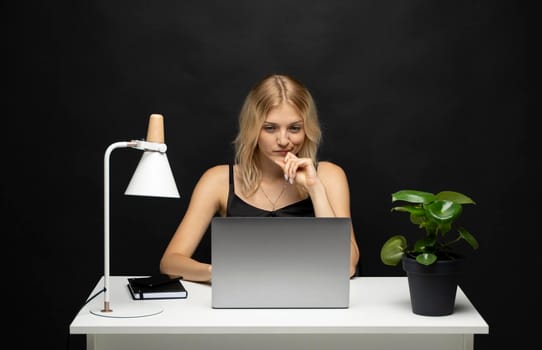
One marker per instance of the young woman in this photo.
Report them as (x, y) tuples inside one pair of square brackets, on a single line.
[(275, 174)]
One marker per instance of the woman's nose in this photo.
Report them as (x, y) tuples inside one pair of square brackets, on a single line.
[(282, 139)]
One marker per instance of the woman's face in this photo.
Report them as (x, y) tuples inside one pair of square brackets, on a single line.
[(282, 132)]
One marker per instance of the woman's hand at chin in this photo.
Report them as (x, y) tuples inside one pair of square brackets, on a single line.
[(300, 171)]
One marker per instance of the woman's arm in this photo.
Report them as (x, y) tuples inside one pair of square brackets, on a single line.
[(328, 189), (336, 193), (209, 197)]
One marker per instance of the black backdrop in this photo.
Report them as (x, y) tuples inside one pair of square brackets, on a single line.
[(412, 94)]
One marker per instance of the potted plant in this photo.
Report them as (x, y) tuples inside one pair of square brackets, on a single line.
[(432, 263)]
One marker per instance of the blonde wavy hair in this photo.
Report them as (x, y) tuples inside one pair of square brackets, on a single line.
[(267, 94)]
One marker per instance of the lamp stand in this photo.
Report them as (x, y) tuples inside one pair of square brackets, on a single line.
[(135, 309)]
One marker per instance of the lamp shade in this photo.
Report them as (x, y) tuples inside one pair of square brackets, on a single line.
[(153, 177)]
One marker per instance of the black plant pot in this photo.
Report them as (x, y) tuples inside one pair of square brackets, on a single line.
[(432, 288)]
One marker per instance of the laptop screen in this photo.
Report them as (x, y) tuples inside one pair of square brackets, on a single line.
[(280, 262)]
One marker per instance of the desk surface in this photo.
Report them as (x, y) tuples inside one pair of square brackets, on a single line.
[(377, 305)]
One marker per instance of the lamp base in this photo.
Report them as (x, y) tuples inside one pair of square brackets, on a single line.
[(132, 310)]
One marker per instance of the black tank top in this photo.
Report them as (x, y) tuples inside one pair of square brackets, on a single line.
[(238, 207)]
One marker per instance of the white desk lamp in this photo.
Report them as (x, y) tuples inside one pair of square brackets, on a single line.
[(152, 177)]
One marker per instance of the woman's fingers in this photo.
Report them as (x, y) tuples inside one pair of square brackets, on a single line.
[(294, 166), (290, 167)]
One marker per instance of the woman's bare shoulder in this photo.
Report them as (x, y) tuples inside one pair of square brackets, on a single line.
[(328, 168), (216, 174)]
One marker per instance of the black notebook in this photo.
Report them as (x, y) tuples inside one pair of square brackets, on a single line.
[(156, 287)]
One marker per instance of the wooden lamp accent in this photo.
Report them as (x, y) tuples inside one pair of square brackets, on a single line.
[(155, 130)]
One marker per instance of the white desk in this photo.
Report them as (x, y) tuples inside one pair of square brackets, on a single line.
[(379, 317)]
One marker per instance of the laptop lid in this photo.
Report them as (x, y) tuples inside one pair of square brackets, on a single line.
[(280, 262)]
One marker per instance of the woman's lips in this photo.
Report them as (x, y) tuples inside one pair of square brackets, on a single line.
[(282, 153)]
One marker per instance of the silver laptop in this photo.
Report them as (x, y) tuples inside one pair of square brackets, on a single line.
[(280, 262)]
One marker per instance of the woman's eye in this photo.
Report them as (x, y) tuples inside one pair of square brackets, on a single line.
[(295, 128), (269, 128)]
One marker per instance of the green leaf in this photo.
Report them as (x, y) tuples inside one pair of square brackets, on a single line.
[(393, 250), (425, 244), (426, 258), (468, 237), (444, 228), (413, 196), (443, 211), (412, 209), (430, 226), (417, 219), (455, 197)]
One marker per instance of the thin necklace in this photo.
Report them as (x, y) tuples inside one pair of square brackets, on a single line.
[(274, 204)]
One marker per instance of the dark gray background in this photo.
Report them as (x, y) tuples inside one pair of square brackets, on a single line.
[(428, 95)]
